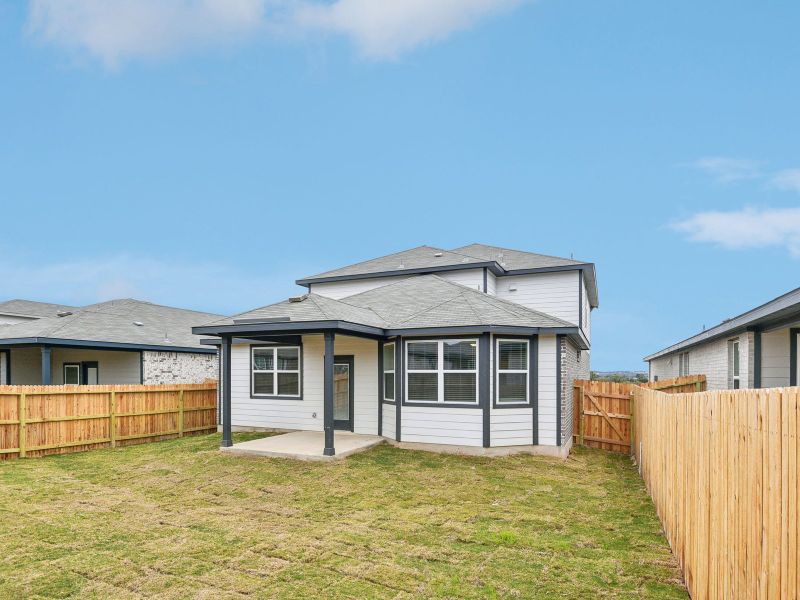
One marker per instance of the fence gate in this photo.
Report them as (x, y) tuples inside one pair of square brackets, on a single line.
[(604, 411)]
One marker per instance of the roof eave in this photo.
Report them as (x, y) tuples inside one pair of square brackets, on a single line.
[(94, 344), (491, 265)]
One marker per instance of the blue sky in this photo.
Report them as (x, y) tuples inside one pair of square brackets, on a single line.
[(207, 154)]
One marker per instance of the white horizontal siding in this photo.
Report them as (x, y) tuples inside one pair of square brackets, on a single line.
[(389, 421), (491, 283), (471, 278), (307, 414), (511, 427), (775, 358), (555, 294), (342, 289), (438, 425), (547, 390), (586, 323)]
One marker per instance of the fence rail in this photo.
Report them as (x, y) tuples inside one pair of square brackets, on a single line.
[(40, 420), (722, 469), (603, 412)]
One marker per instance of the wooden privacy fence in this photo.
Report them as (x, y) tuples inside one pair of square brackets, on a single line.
[(603, 412), (39, 420), (722, 469)]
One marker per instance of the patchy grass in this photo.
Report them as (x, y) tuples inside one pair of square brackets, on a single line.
[(179, 519)]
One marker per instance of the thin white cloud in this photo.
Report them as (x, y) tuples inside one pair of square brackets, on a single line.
[(117, 31), (385, 29), (746, 228), (174, 283), (788, 180), (725, 169)]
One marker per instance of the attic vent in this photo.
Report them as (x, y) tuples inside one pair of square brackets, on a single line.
[(298, 298), (138, 323), (438, 254), (63, 313)]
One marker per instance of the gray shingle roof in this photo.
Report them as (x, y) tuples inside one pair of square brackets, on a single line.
[(512, 260), (113, 322), (29, 308), (415, 258), (416, 302), (780, 309), (502, 261)]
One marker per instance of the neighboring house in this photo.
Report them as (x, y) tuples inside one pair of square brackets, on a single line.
[(21, 311), (754, 350), (476, 346), (121, 341)]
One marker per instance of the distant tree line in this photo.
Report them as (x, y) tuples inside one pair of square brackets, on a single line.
[(619, 377)]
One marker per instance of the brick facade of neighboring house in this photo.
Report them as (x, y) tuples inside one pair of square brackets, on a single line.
[(712, 360), (175, 367)]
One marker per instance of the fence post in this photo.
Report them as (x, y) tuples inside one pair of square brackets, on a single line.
[(581, 417), (180, 413), (113, 419), (22, 432), (633, 422), (698, 387)]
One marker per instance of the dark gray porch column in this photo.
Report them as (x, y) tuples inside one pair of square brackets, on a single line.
[(484, 348), (399, 378), (225, 350), (46, 377), (330, 339), (757, 359)]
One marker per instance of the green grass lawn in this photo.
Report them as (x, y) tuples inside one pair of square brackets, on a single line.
[(178, 519)]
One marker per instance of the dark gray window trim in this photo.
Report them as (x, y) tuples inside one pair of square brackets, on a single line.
[(8, 365), (350, 361), (478, 404), (92, 345), (141, 367), (484, 363), (495, 345), (535, 386), (399, 367), (85, 365), (559, 393), (64, 371), (793, 332), (756, 359), (380, 379), (380, 387), (580, 301), (250, 371), (491, 265)]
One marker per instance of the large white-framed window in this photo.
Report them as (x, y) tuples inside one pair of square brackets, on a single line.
[(683, 364), (275, 372), (512, 369), (72, 373), (442, 371), (734, 364), (388, 371)]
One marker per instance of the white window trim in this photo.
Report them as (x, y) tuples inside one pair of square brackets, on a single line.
[(387, 371), (683, 364), (66, 366), (527, 372), (275, 372), (736, 377), (441, 371)]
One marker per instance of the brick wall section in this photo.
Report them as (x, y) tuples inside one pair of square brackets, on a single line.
[(711, 359), (574, 365), (178, 367)]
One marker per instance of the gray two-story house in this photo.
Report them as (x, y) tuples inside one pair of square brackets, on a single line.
[(474, 346)]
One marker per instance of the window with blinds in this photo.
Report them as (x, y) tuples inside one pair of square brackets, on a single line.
[(388, 371), (512, 371), (442, 371)]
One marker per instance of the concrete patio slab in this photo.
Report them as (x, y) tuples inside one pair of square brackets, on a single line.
[(305, 445)]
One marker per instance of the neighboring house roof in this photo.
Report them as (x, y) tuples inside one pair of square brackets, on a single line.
[(420, 302), (782, 309), (29, 308), (428, 259), (128, 322)]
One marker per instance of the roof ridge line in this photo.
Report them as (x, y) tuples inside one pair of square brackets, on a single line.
[(429, 308), (342, 301)]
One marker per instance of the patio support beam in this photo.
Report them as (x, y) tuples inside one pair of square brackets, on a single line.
[(225, 349), (46, 376), (484, 347), (330, 339)]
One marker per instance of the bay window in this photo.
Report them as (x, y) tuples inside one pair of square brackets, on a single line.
[(275, 372), (442, 371)]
